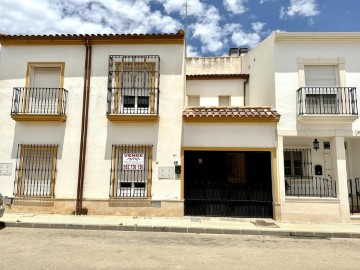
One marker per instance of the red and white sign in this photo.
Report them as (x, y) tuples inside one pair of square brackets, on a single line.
[(133, 161)]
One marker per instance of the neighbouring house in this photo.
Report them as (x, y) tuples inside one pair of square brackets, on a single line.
[(127, 125)]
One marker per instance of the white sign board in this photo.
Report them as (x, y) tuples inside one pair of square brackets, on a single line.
[(133, 161)]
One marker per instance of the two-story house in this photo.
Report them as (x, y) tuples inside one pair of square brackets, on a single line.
[(92, 121), (312, 80)]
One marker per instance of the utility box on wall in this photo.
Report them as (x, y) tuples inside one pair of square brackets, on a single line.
[(318, 170), (166, 173)]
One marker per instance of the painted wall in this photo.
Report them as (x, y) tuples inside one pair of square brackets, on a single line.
[(287, 78), (165, 136), (213, 65), (102, 134), (229, 135), (259, 64), (13, 65), (210, 90)]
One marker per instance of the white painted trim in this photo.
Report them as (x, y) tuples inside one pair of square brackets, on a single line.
[(321, 118), (311, 200)]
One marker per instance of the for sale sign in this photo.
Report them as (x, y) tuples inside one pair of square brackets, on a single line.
[(133, 161)]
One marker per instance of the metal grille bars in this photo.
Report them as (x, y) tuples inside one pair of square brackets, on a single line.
[(354, 195), (131, 170), (35, 171), (39, 100), (327, 100), (133, 84), (310, 187)]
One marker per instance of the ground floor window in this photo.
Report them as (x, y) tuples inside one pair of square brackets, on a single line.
[(35, 170), (131, 171), (297, 163)]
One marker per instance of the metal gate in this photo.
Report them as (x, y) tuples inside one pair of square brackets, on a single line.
[(232, 184)]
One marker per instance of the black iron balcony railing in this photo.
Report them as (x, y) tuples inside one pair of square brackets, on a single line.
[(354, 195), (310, 186), (31, 100), (133, 100), (327, 100)]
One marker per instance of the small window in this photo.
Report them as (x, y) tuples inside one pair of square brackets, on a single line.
[(129, 101), (193, 100), (36, 171), (143, 102), (224, 101), (297, 163), (131, 171)]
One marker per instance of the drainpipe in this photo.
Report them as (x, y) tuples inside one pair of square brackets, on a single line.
[(84, 127), (247, 80)]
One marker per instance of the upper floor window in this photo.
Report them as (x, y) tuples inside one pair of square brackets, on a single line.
[(133, 86), (224, 101), (193, 101), (324, 75)]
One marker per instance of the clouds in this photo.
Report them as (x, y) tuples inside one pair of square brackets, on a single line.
[(304, 8), (235, 6), (209, 32)]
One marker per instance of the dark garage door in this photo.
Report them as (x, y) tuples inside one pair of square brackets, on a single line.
[(223, 183)]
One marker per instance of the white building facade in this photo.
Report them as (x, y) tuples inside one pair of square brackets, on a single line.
[(126, 125)]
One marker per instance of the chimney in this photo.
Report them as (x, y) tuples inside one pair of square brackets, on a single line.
[(243, 51), (233, 52)]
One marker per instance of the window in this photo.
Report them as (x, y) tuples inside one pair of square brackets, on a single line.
[(36, 170), (43, 90), (193, 100), (320, 75), (224, 101), (133, 84), (297, 163), (131, 171)]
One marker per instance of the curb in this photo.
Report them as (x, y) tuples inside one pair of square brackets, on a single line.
[(191, 230)]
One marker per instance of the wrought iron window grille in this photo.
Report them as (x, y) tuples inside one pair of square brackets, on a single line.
[(131, 171), (35, 172), (133, 84)]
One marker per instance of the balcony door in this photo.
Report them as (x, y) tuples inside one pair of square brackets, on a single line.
[(321, 89), (43, 94)]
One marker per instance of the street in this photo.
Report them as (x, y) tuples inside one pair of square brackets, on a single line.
[(22, 248)]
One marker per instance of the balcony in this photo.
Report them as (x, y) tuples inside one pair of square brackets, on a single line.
[(133, 88), (39, 104), (327, 104), (133, 104)]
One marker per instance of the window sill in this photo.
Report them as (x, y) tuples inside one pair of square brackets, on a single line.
[(39, 117), (133, 118), (312, 199), (326, 118)]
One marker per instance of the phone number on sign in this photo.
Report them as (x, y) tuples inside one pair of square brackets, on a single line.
[(137, 167)]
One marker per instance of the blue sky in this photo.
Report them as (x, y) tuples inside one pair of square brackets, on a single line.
[(213, 25)]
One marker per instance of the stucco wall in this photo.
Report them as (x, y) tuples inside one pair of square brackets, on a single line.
[(102, 134), (213, 65), (210, 90), (259, 64), (165, 136), (287, 78), (229, 135), (13, 65)]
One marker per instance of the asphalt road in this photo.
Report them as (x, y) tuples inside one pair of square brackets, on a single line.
[(22, 248)]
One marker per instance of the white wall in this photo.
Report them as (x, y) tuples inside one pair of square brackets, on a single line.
[(165, 136), (229, 135), (13, 65), (213, 65), (210, 90), (287, 78), (259, 64)]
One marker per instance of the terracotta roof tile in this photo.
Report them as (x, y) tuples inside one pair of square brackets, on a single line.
[(238, 114)]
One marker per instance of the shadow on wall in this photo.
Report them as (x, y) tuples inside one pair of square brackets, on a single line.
[(131, 134), (38, 133)]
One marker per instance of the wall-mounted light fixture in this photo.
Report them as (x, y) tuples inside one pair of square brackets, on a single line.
[(316, 144)]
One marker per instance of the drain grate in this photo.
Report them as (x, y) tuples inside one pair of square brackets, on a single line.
[(263, 223)]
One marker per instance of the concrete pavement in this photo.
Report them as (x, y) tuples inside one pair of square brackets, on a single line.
[(208, 225)]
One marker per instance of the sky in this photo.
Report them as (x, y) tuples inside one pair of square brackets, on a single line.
[(212, 26)]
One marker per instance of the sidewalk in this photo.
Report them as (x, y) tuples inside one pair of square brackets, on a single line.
[(211, 225)]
